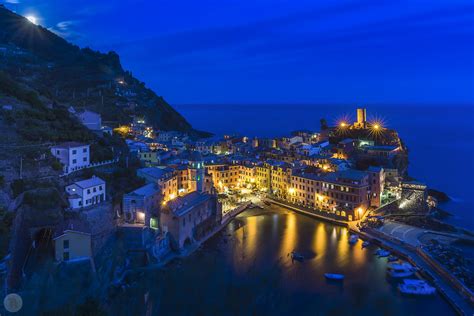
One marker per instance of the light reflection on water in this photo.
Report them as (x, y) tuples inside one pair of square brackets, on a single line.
[(248, 265)]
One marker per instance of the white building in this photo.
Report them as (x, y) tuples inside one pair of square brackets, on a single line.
[(72, 155), (86, 193)]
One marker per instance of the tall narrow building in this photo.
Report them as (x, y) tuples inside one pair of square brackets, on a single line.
[(361, 118)]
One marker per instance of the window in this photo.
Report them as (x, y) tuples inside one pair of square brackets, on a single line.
[(74, 151), (84, 150), (66, 244), (74, 161), (100, 188), (88, 191), (84, 159)]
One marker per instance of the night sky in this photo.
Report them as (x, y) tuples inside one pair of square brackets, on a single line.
[(272, 51)]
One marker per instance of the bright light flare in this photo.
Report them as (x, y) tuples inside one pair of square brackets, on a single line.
[(32, 19), (376, 127), (343, 124)]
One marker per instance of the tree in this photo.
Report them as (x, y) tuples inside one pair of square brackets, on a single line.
[(324, 124)]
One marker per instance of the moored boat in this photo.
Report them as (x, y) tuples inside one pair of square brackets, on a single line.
[(416, 287), (400, 270), (334, 276), (296, 256), (382, 253), (353, 239), (392, 258)]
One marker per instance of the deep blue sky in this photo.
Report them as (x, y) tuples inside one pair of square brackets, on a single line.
[(273, 51)]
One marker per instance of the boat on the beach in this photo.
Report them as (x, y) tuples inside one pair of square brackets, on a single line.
[(334, 276), (382, 253), (353, 239), (400, 270), (365, 244), (416, 287)]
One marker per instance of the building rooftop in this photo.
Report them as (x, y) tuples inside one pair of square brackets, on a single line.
[(75, 225), (350, 174), (374, 169), (182, 205), (157, 173), (68, 145), (346, 141), (92, 182), (381, 148), (146, 190)]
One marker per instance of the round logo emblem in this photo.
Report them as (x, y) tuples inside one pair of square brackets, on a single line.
[(13, 302)]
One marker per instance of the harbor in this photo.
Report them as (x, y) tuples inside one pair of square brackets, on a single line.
[(250, 260)]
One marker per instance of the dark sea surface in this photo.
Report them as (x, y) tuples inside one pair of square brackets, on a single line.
[(440, 138), (246, 270)]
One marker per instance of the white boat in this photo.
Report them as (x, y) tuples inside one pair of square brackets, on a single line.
[(382, 253), (400, 270), (353, 239), (334, 276), (416, 287), (392, 258), (365, 244)]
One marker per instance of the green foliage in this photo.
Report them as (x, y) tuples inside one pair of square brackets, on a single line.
[(43, 199), (100, 152), (56, 165), (12, 88), (47, 125), (121, 181), (18, 187), (91, 307), (6, 222)]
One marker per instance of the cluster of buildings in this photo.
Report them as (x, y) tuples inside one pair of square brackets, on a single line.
[(187, 181), (317, 170)]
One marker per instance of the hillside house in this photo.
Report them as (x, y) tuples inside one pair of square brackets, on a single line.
[(86, 193), (72, 155)]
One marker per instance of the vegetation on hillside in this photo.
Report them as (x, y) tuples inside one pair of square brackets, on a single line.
[(48, 66)]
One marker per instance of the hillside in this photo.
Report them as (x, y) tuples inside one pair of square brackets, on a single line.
[(62, 73)]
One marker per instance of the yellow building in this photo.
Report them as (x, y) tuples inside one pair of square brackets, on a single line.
[(224, 176), (303, 189), (72, 241), (247, 175), (280, 180), (262, 176)]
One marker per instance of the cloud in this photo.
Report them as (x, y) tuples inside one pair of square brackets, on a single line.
[(12, 1), (66, 30)]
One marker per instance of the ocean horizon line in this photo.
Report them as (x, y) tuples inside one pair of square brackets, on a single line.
[(365, 105)]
